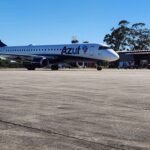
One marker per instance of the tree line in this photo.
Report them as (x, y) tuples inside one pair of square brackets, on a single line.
[(129, 37)]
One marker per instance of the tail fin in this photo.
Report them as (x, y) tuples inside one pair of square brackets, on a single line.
[(2, 44)]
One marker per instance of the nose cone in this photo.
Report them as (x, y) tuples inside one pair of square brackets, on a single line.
[(110, 55), (114, 55)]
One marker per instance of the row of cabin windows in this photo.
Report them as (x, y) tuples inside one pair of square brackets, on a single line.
[(16, 50)]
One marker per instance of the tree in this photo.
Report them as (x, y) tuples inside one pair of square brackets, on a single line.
[(117, 39), (74, 40), (86, 42), (125, 37), (139, 38)]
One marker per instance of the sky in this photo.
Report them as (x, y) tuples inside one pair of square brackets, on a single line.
[(24, 22)]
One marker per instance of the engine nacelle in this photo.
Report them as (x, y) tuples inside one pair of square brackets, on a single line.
[(40, 62), (80, 64)]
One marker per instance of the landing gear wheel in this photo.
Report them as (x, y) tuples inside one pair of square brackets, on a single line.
[(54, 67), (99, 68), (31, 67)]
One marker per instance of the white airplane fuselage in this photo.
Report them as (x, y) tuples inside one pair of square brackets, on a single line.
[(60, 53)]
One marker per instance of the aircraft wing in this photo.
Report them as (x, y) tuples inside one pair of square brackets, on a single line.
[(28, 58), (19, 58)]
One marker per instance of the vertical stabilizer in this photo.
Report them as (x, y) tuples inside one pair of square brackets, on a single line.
[(2, 44)]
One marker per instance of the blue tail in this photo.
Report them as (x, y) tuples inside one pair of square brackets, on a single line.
[(2, 44)]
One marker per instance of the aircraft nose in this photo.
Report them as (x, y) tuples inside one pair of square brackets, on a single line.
[(114, 55)]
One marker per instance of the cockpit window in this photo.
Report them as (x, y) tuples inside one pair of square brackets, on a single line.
[(103, 47)]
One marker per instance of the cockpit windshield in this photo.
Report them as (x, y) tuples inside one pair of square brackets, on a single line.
[(104, 47)]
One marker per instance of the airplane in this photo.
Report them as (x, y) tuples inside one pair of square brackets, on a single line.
[(40, 56)]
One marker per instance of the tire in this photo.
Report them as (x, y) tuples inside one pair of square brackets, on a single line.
[(30, 67), (99, 68), (54, 67)]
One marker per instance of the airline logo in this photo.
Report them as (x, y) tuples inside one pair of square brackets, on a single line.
[(85, 49), (70, 51), (74, 51)]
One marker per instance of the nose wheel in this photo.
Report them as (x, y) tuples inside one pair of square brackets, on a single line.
[(99, 68)]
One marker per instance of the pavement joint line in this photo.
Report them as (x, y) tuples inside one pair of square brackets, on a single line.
[(60, 134)]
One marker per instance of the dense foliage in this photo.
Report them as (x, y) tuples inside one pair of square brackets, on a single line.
[(129, 37)]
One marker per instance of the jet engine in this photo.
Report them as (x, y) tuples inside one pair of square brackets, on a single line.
[(80, 64), (40, 62)]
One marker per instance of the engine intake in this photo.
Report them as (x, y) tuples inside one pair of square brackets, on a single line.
[(80, 64), (40, 62)]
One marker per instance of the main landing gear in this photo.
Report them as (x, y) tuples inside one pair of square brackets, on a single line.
[(54, 67), (30, 67)]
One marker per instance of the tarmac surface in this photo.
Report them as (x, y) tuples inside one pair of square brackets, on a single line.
[(75, 110)]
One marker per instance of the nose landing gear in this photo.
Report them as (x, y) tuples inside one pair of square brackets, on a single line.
[(98, 66)]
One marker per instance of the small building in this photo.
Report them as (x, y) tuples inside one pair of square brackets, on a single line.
[(132, 59)]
